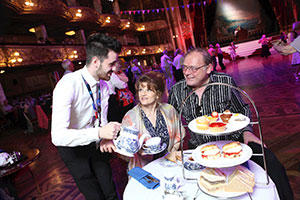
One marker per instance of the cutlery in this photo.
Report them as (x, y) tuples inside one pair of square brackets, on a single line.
[(152, 179), (147, 179)]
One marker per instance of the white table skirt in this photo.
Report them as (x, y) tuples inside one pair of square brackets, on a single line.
[(136, 191)]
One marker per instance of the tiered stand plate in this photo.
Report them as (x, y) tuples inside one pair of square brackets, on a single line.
[(229, 130)]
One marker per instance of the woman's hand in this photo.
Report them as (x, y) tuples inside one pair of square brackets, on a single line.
[(107, 146)]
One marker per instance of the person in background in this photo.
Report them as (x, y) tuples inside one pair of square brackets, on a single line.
[(136, 69), (78, 122), (9, 112), (292, 48), (68, 66), (220, 57), (177, 62), (232, 49), (118, 84), (264, 41), (198, 70), (296, 56), (212, 53), (166, 67), (283, 37), (153, 117)]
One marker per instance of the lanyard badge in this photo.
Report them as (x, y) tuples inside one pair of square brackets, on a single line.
[(97, 105)]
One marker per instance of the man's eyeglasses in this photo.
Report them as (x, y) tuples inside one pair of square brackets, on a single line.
[(192, 68)]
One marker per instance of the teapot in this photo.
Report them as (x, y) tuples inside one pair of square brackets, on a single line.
[(128, 142)]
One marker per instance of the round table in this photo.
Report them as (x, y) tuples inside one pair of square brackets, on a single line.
[(135, 190), (9, 173)]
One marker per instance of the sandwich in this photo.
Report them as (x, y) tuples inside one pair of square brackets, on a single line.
[(211, 151), (213, 180), (232, 150), (241, 180), (174, 156)]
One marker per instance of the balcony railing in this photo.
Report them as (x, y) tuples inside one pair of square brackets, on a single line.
[(30, 55)]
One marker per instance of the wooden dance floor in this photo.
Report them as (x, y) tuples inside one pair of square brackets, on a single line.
[(269, 82)]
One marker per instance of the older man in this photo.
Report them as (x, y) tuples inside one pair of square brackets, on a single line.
[(68, 66), (198, 70), (78, 121)]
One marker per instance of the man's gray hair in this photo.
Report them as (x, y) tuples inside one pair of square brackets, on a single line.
[(206, 56), (65, 64)]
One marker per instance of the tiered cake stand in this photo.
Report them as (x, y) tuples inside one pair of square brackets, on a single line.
[(253, 123)]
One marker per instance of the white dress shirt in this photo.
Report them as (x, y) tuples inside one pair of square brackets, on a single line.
[(178, 61), (73, 122)]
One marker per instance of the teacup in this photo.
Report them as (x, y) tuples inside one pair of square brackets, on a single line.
[(153, 144), (171, 182)]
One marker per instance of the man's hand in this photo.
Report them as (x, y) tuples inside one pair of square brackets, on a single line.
[(250, 137), (107, 146), (109, 131)]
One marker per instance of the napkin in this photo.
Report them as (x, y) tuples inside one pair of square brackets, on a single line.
[(140, 175)]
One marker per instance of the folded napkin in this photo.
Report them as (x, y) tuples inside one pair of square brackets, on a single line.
[(144, 178)]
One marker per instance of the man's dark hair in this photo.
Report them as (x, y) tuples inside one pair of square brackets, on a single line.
[(206, 56), (99, 45)]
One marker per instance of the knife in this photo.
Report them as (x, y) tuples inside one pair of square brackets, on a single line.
[(152, 179)]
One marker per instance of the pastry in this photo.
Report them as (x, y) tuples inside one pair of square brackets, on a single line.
[(202, 123), (217, 127), (226, 116)]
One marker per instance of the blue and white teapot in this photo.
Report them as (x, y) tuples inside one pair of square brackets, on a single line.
[(128, 142)]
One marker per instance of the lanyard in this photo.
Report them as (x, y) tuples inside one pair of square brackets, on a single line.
[(97, 108)]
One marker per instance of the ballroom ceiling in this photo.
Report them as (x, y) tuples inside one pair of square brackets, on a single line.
[(13, 23)]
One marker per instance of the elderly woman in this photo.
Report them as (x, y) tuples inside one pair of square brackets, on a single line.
[(152, 117)]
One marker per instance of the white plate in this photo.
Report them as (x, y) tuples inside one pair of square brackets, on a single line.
[(220, 194), (232, 126), (221, 161), (149, 152)]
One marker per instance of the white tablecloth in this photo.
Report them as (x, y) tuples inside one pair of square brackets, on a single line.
[(136, 191)]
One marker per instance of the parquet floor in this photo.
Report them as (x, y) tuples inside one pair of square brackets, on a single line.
[(270, 83)]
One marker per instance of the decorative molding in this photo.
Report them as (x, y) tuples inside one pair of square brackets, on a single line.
[(50, 8), (43, 54)]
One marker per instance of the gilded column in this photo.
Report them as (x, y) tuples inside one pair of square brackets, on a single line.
[(169, 24), (80, 37), (98, 5), (116, 7), (72, 2), (175, 14), (188, 17)]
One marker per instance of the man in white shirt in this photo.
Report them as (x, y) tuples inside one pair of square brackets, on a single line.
[(68, 66), (166, 66), (292, 47), (177, 63), (79, 123)]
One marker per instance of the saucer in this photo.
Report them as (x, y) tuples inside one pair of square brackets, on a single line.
[(150, 152)]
